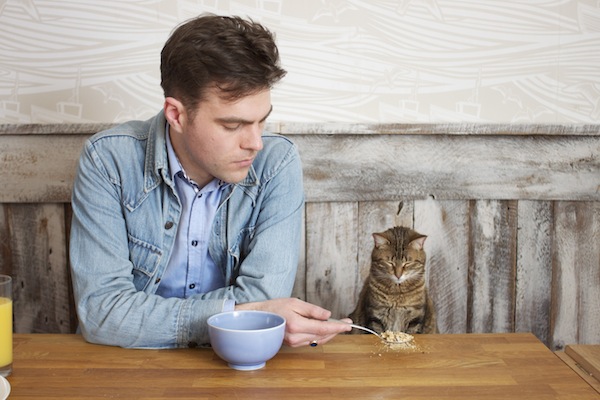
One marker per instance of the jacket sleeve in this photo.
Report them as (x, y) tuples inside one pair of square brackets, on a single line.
[(263, 250), (110, 308)]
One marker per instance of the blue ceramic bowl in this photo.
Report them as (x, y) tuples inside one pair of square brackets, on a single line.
[(246, 340)]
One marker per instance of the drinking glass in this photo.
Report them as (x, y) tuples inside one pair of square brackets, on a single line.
[(6, 325)]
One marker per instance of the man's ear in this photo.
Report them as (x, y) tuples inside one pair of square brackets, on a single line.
[(175, 113)]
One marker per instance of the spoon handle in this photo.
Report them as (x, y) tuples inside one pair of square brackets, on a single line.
[(399, 341), (366, 330), (358, 327)]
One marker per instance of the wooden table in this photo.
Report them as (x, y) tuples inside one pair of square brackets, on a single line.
[(473, 366), (585, 360)]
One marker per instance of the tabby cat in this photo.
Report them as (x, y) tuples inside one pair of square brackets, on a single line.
[(394, 296)]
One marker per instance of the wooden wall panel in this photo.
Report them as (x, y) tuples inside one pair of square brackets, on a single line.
[(384, 167), (534, 268), (299, 290), (6, 263), (446, 224), (576, 278), (590, 275), (512, 215), (38, 249), (331, 250), (363, 167), (38, 167), (492, 268)]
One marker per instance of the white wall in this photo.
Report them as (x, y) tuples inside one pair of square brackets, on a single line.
[(519, 61)]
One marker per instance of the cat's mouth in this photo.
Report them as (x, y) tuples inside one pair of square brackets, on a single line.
[(401, 279)]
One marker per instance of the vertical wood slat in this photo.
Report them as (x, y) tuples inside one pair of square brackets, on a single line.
[(446, 224), (492, 267), (38, 264), (299, 289), (576, 275), (557, 242), (534, 268), (331, 249)]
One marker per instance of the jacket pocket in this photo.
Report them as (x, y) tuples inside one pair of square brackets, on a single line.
[(240, 249), (145, 258)]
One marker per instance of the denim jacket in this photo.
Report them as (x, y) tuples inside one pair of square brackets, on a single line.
[(125, 217)]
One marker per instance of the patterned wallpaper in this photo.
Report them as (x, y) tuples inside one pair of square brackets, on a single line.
[(363, 61)]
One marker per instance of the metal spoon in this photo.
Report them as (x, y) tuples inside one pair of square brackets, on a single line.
[(370, 331)]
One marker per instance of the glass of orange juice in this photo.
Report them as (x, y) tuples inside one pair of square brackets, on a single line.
[(6, 325)]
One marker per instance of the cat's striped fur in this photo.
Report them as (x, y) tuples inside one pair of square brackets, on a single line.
[(394, 296)]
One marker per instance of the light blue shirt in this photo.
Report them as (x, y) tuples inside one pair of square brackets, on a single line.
[(191, 270)]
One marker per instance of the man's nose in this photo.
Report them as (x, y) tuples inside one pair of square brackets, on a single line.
[(253, 137)]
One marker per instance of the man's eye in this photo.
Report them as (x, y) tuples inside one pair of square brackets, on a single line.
[(232, 127)]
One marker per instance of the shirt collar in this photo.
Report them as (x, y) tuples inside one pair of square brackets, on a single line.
[(174, 164), (176, 168)]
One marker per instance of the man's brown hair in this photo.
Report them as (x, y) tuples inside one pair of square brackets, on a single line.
[(237, 56)]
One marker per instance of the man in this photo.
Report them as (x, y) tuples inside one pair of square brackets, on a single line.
[(194, 211)]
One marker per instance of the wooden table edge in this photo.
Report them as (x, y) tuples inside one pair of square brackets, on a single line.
[(589, 379)]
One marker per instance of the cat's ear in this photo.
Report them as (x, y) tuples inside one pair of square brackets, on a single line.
[(380, 240), (417, 243)]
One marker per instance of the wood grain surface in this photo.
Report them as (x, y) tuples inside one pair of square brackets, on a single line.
[(363, 163), (473, 366), (584, 359), (588, 356)]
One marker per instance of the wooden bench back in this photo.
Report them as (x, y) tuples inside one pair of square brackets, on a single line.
[(512, 214)]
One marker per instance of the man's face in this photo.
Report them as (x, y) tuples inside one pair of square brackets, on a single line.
[(222, 139)]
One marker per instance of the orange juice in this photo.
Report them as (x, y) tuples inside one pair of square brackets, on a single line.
[(6, 345)]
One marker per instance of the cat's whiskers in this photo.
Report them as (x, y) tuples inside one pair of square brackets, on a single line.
[(407, 276)]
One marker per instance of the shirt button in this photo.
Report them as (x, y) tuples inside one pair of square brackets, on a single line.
[(194, 243), (192, 285), (169, 224)]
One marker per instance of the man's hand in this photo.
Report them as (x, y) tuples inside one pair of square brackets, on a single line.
[(306, 323)]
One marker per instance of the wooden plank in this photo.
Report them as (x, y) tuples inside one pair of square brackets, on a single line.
[(383, 167), (335, 128), (38, 168), (363, 167), (588, 356), (576, 275), (492, 266), (38, 256), (534, 268), (593, 382), (53, 129), (331, 248), (332, 128), (299, 289), (491, 367), (5, 240), (446, 224)]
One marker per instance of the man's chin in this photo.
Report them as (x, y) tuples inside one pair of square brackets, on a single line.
[(234, 178)]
